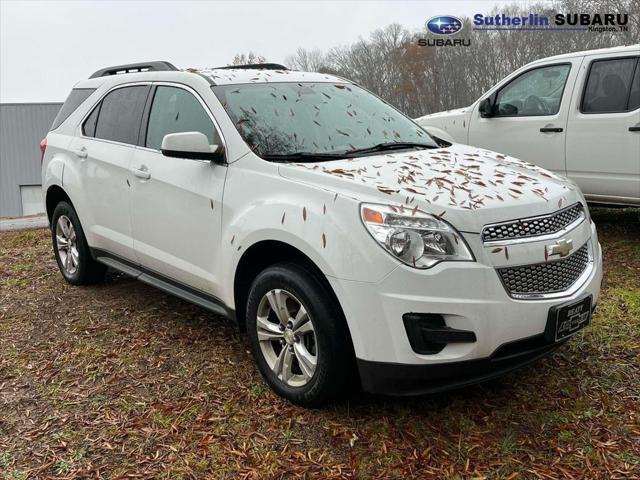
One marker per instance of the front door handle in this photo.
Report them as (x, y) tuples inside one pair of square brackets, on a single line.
[(635, 128), (81, 153), (551, 129), (142, 172)]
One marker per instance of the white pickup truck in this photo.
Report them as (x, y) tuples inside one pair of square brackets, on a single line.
[(576, 114)]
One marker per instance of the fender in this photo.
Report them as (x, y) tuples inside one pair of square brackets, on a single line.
[(324, 227)]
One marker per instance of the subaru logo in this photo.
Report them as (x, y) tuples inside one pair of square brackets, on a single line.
[(444, 25)]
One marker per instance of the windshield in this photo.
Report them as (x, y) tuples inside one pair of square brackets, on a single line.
[(287, 119)]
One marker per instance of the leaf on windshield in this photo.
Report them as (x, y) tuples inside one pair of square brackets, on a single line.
[(304, 213), (342, 133), (324, 241), (388, 191)]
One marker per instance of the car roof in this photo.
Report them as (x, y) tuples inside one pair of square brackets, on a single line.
[(233, 76), (214, 76), (600, 51)]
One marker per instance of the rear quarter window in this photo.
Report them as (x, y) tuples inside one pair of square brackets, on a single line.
[(73, 101)]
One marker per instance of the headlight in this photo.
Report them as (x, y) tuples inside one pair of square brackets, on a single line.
[(414, 237)]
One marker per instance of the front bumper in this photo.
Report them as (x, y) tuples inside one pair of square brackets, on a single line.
[(404, 379), (470, 297)]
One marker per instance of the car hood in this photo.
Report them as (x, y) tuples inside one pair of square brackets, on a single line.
[(446, 113), (467, 186)]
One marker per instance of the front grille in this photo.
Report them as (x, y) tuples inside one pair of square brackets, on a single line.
[(545, 278), (533, 226)]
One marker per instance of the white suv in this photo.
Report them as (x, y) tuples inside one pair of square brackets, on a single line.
[(343, 239), (576, 114)]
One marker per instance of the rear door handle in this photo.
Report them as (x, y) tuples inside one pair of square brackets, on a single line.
[(635, 128), (81, 153), (142, 172), (551, 129)]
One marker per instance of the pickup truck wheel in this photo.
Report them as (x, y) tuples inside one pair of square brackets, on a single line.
[(71, 250), (297, 335)]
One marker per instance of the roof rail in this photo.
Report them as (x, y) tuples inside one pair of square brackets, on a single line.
[(157, 66), (257, 66)]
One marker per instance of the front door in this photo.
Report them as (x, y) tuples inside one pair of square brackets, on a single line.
[(529, 116), (177, 202)]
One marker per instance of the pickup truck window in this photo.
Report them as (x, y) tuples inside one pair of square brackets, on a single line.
[(277, 119), (533, 93), (609, 86)]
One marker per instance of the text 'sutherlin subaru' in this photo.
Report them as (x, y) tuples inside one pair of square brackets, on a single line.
[(344, 240)]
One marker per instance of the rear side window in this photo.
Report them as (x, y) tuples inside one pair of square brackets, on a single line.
[(608, 88), (73, 101), (175, 110), (120, 114)]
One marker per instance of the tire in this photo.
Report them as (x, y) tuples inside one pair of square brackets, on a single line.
[(290, 284), (79, 267)]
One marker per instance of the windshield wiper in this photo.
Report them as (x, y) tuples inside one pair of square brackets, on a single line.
[(303, 157), (318, 157), (383, 147)]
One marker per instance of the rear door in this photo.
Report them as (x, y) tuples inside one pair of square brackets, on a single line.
[(530, 115), (177, 202), (104, 151), (603, 135)]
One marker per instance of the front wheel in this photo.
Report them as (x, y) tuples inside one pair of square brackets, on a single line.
[(298, 335)]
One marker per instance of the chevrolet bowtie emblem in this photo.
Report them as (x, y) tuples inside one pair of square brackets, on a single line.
[(562, 247)]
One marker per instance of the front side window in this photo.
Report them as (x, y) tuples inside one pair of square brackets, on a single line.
[(279, 119), (120, 115), (536, 92), (609, 86), (174, 110)]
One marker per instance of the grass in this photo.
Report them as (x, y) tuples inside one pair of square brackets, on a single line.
[(120, 379)]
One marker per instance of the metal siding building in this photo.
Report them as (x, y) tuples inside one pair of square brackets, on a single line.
[(22, 126)]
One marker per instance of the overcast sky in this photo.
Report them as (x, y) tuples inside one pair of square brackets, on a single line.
[(47, 46)]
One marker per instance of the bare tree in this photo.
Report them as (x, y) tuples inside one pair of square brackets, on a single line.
[(244, 59), (419, 80)]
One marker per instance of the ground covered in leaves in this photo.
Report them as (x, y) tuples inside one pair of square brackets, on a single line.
[(122, 380)]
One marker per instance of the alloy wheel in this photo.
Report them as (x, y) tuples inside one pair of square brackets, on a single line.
[(287, 337), (66, 244)]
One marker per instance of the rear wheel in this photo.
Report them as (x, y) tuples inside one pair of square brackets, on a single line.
[(297, 335), (71, 250)]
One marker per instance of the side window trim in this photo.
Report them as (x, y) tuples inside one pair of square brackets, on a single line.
[(586, 81), (564, 87), (98, 104), (144, 122), (147, 113)]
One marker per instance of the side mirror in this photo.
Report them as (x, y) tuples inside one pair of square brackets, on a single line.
[(486, 108), (191, 145)]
